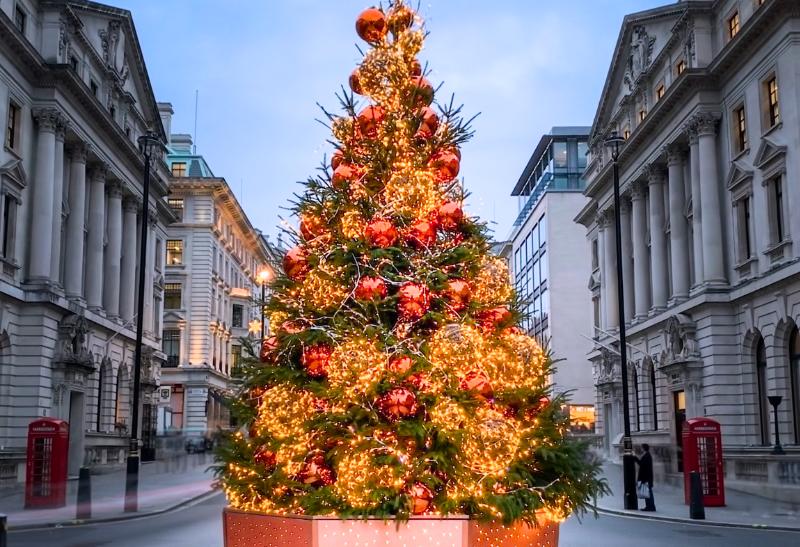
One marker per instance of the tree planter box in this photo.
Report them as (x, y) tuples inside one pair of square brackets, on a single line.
[(243, 529)]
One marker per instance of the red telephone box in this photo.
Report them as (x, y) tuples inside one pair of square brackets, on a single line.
[(702, 452), (46, 469)]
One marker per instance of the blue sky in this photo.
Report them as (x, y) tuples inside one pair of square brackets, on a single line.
[(261, 67)]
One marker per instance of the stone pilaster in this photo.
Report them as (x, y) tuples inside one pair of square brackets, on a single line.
[(678, 234), (58, 203), (149, 274), (641, 262), (73, 270), (713, 251), (94, 251), (627, 258), (697, 202), (47, 119), (658, 239), (127, 294), (113, 252), (610, 270)]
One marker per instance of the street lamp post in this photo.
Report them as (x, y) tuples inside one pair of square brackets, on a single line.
[(148, 143), (628, 459), (263, 277)]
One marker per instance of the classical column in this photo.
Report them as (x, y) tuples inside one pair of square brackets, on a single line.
[(58, 203), (641, 262), (113, 254), (127, 312), (601, 253), (42, 195), (697, 203), (713, 253), (73, 271), (627, 257), (94, 251), (678, 235), (148, 274), (658, 239), (610, 259)]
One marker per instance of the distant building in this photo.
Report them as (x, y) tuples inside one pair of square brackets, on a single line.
[(213, 259), (706, 95), (74, 97), (550, 263)]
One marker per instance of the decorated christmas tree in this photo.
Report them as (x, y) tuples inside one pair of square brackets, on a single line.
[(396, 381)]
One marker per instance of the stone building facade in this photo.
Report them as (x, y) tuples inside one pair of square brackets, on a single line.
[(707, 96), (213, 259), (74, 98)]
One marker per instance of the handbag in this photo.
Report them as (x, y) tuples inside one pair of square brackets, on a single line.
[(642, 490)]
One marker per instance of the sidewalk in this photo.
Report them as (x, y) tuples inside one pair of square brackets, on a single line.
[(162, 486), (743, 510)]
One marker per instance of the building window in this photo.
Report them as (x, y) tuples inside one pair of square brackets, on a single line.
[(93, 87), (743, 228), (733, 25), (174, 252), (173, 295), (740, 129), (595, 256), (237, 316), (179, 169), (176, 204), (73, 62), (680, 67), (653, 400), (626, 133), (642, 115), (776, 214), (20, 18), (9, 226), (794, 378), (171, 346), (236, 356), (660, 91), (159, 257), (13, 126), (761, 391), (773, 112)]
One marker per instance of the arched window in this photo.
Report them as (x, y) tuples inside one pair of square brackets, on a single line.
[(794, 375), (654, 406), (122, 405), (761, 381)]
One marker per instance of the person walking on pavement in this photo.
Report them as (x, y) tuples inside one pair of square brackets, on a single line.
[(645, 477)]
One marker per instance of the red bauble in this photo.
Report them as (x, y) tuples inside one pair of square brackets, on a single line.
[(400, 364), (265, 457), (429, 123), (544, 402), (292, 327), (398, 403), (295, 264), (421, 234), (268, 348), (346, 174), (450, 216), (413, 301), (445, 164), (421, 498), (337, 158), (478, 382), (371, 25), (370, 288), (416, 68), (458, 293), (312, 227), (370, 119), (316, 359), (381, 233), (495, 318), (315, 471), (419, 381), (355, 83), (400, 19), (423, 90)]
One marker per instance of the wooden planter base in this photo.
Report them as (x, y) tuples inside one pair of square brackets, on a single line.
[(242, 529)]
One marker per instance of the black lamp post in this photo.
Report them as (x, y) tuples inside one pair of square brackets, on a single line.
[(149, 143), (775, 401), (263, 277), (628, 459)]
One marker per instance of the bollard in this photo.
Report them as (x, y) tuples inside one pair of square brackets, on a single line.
[(696, 509), (83, 507), (3, 530)]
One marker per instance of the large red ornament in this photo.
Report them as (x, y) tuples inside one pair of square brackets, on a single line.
[(445, 164), (346, 174), (381, 233), (400, 19), (268, 348), (316, 359), (370, 288), (355, 83), (416, 68), (312, 227), (495, 318), (421, 234), (370, 119), (450, 216), (371, 25), (265, 457), (423, 90), (337, 158), (397, 403), (478, 382), (421, 498), (458, 293), (413, 301), (315, 471), (420, 382), (400, 364), (429, 123), (295, 264)]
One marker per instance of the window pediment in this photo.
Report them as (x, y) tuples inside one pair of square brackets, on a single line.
[(14, 171), (771, 158), (739, 180)]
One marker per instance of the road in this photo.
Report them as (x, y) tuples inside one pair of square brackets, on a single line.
[(200, 525)]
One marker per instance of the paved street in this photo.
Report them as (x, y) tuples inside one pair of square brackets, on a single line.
[(200, 525)]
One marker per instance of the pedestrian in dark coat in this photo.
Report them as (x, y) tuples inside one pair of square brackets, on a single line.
[(645, 477)]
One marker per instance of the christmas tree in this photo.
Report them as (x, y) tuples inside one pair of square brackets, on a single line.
[(396, 382)]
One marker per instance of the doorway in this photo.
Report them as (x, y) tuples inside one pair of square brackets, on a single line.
[(76, 432), (679, 404)]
